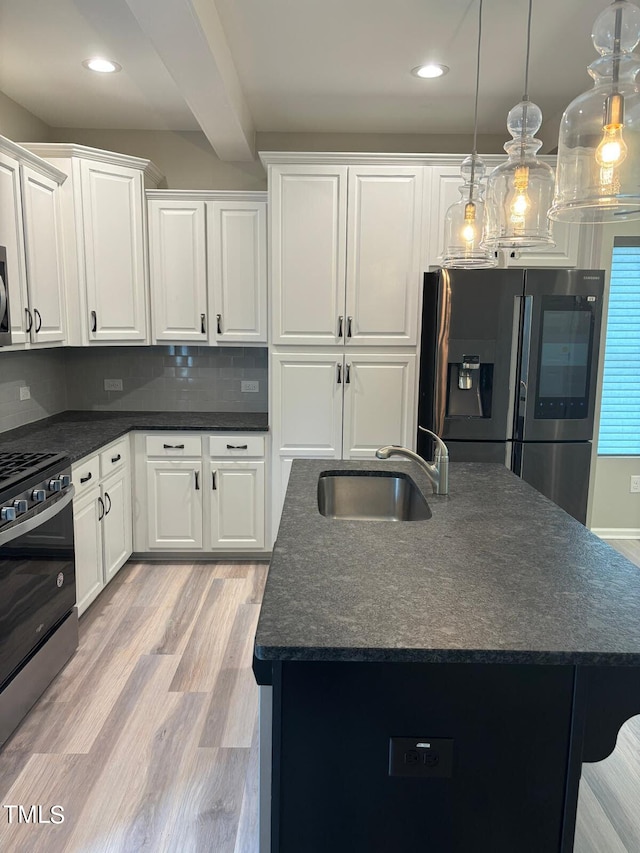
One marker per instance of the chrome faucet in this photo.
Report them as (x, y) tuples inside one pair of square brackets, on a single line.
[(437, 471)]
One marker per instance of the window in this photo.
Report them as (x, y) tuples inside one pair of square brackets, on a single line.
[(620, 411)]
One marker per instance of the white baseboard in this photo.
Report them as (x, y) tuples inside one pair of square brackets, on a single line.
[(617, 532)]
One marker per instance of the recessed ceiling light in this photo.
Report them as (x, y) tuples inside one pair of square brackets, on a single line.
[(104, 66), (432, 69)]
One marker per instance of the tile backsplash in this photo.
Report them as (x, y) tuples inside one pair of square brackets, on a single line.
[(43, 372), (161, 378), (167, 378)]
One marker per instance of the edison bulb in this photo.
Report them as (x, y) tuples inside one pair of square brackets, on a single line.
[(612, 149), (469, 228), (521, 203)]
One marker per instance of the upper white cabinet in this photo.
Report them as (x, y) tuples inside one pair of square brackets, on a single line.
[(345, 253), (30, 229), (445, 190), (104, 243), (208, 266)]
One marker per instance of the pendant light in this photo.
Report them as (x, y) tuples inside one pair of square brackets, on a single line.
[(598, 173), (520, 191), (463, 224)]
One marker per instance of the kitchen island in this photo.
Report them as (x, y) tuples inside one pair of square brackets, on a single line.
[(437, 684)]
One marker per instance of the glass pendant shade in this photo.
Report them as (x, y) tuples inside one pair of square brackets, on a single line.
[(520, 191), (464, 221), (598, 171)]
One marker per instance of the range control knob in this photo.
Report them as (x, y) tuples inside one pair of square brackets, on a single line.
[(21, 506), (7, 513), (38, 495), (54, 485), (65, 479)]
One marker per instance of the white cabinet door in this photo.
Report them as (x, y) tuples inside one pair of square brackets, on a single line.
[(87, 527), (12, 238), (383, 252), (113, 223), (237, 242), (445, 191), (174, 504), (237, 505), (379, 403), (45, 272), (563, 254), (307, 400), (178, 270), (117, 522), (308, 252)]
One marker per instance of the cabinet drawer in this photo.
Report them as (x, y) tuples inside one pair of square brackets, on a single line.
[(114, 458), (85, 474), (175, 444), (236, 445)]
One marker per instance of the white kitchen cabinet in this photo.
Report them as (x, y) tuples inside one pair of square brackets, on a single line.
[(30, 230), (345, 254), (105, 242), (87, 527), (102, 518), (237, 240), (45, 270), (178, 270), (174, 504), (237, 505), (208, 267)]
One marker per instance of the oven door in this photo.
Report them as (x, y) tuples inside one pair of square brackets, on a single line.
[(37, 581)]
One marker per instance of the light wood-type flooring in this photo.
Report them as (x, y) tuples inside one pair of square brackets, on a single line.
[(148, 738)]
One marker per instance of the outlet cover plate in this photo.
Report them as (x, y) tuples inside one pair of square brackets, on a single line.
[(25, 392), (634, 486), (113, 384), (249, 385)]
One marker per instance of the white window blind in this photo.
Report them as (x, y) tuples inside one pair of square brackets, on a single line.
[(620, 413)]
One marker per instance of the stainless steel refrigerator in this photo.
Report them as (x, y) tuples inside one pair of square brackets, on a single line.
[(508, 371)]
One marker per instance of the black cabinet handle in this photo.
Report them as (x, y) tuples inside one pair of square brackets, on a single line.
[(237, 446), (38, 320), (213, 481), (340, 322), (347, 375), (173, 446), (203, 324), (219, 323), (94, 321), (117, 458), (197, 473), (29, 320), (339, 377), (107, 496), (101, 502), (87, 478), (349, 322)]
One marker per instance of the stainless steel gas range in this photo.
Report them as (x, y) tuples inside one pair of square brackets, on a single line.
[(38, 617)]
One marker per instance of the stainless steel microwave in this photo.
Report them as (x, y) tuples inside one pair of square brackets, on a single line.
[(5, 319)]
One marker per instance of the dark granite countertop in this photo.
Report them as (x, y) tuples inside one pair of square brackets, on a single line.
[(81, 433), (499, 574)]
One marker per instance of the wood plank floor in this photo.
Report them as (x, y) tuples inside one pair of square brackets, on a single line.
[(148, 738)]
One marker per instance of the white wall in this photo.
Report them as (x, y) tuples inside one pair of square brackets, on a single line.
[(613, 511), (19, 124)]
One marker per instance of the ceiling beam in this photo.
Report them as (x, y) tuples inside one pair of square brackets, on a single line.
[(189, 38)]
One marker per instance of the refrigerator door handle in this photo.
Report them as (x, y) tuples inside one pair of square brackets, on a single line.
[(525, 357)]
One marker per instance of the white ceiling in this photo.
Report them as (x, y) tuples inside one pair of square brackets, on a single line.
[(289, 65)]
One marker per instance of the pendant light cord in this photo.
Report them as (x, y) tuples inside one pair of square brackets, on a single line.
[(525, 97), (475, 114), (616, 48)]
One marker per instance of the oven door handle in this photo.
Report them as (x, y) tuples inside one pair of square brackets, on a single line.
[(30, 524)]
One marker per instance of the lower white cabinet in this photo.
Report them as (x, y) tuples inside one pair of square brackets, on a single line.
[(174, 504), (237, 505), (102, 520), (200, 493)]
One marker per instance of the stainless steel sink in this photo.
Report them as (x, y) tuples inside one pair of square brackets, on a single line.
[(371, 495)]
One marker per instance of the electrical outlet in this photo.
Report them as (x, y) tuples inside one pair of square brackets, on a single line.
[(425, 758), (113, 384), (634, 486), (25, 394), (251, 386)]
